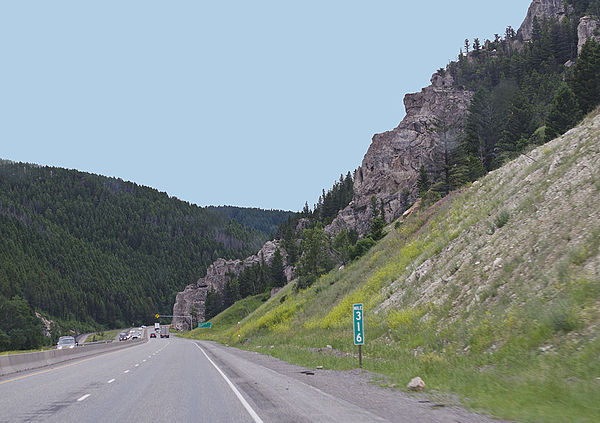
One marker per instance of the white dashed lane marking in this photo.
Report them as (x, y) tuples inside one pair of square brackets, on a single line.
[(110, 381), (126, 371), (83, 397)]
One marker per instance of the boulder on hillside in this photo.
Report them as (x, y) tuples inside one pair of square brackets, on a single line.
[(416, 384)]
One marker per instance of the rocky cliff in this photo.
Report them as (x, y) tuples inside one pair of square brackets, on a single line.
[(191, 300), (434, 120), (588, 27), (540, 8)]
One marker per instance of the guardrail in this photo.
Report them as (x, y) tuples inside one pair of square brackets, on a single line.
[(28, 361)]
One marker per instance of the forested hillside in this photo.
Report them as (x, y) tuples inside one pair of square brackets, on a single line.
[(303, 242), (525, 94), (266, 221), (100, 251)]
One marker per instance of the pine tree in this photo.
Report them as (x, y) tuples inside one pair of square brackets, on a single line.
[(212, 305), (315, 259), (586, 76), (341, 246), (423, 182), (476, 47), (564, 114), (376, 231), (231, 292), (516, 130), (277, 269)]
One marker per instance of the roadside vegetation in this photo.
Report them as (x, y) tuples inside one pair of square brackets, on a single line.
[(491, 295), (108, 335)]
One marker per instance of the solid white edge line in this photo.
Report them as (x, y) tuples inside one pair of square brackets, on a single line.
[(111, 381), (234, 389), (83, 397)]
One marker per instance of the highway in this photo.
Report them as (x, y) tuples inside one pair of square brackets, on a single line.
[(179, 380), (167, 380)]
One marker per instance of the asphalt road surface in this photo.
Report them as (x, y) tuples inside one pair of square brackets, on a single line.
[(177, 380)]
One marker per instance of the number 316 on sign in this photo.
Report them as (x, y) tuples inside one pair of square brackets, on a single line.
[(359, 324)]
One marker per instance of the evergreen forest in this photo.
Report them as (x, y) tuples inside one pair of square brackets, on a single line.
[(524, 94), (88, 251)]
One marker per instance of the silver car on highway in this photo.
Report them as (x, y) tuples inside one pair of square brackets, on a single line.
[(66, 342)]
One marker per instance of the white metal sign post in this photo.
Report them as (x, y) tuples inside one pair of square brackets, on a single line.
[(359, 329)]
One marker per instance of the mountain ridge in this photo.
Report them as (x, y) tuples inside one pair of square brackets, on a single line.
[(93, 251)]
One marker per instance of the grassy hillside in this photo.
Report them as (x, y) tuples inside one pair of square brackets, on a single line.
[(91, 251), (492, 294)]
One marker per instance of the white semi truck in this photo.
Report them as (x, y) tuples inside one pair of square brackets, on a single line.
[(157, 327), (164, 331)]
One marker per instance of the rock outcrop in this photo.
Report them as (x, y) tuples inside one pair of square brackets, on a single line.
[(434, 121), (588, 27), (47, 324), (191, 300), (539, 9), (435, 118)]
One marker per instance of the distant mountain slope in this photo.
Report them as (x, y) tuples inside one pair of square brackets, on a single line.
[(100, 250), (493, 293), (266, 221)]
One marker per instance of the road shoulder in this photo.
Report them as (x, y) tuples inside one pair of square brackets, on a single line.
[(356, 387)]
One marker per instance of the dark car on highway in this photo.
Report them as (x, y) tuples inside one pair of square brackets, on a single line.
[(123, 336)]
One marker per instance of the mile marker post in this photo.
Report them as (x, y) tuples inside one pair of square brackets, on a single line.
[(359, 329)]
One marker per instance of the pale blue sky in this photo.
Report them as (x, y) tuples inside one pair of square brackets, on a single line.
[(249, 103)]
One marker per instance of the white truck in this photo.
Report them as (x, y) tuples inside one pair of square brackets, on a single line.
[(157, 327), (164, 331)]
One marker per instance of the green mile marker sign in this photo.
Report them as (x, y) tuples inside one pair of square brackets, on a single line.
[(205, 325), (359, 324)]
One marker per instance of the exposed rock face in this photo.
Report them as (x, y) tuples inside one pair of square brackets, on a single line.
[(539, 9), (435, 117), (47, 324), (191, 299), (588, 28)]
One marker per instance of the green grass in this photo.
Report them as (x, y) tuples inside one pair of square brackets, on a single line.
[(108, 335), (519, 339), (25, 351), (226, 322)]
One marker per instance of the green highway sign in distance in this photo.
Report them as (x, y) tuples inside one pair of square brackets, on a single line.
[(359, 324), (205, 325)]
